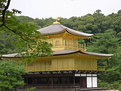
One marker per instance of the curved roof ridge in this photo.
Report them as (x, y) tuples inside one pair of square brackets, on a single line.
[(51, 29), (64, 52), (97, 54), (59, 28), (72, 31), (61, 52)]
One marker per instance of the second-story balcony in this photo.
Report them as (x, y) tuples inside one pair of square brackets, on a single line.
[(82, 47), (61, 46), (69, 44)]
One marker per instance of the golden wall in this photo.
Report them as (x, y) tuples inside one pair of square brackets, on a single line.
[(39, 66), (65, 43), (60, 64), (85, 64)]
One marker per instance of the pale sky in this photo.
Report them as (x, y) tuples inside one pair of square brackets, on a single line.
[(64, 8)]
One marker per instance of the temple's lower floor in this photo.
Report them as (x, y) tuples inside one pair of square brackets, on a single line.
[(61, 79)]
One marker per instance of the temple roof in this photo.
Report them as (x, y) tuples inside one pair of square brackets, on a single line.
[(59, 28), (62, 52)]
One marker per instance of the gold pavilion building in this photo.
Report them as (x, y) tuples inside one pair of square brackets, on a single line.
[(70, 64)]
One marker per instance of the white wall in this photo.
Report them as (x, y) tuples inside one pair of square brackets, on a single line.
[(94, 81), (91, 80)]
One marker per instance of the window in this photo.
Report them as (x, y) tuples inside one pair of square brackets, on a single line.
[(57, 43)]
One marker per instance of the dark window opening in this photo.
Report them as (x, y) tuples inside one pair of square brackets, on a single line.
[(77, 80)]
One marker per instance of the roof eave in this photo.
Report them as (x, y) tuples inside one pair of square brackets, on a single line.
[(77, 33)]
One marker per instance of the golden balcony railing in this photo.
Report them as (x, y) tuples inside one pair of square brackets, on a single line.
[(70, 46), (82, 47)]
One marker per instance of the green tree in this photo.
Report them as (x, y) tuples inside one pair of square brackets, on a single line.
[(105, 42), (24, 31), (11, 74)]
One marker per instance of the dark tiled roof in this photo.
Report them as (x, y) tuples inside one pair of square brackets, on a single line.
[(98, 54), (62, 52), (58, 28)]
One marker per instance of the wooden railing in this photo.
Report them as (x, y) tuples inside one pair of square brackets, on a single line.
[(82, 47)]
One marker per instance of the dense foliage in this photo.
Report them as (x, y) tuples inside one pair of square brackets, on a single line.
[(23, 33), (10, 75)]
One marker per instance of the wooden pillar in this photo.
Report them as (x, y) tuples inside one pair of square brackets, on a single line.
[(52, 81), (74, 80), (27, 80)]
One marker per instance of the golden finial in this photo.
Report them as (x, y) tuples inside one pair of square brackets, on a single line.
[(56, 22)]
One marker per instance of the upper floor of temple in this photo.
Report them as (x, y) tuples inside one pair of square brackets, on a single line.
[(62, 37)]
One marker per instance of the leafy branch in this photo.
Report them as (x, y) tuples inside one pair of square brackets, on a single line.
[(26, 31)]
